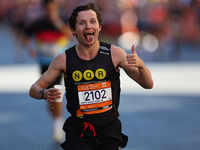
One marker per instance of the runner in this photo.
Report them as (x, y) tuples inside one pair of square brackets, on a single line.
[(92, 83), (51, 34)]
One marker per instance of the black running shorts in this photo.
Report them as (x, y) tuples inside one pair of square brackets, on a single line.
[(108, 137)]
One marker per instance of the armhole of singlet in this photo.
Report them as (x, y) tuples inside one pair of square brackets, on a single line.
[(108, 46), (66, 53)]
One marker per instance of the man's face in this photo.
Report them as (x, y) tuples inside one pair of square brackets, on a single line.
[(87, 27)]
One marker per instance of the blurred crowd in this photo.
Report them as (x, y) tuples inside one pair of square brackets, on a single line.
[(154, 26)]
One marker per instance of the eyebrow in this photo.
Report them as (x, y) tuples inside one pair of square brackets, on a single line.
[(85, 19)]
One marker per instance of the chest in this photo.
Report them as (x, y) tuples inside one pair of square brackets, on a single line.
[(90, 70)]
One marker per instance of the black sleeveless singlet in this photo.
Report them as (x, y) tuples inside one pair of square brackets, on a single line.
[(92, 87)]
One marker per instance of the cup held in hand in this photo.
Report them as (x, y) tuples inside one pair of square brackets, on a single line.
[(61, 89)]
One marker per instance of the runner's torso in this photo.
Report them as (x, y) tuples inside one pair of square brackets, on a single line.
[(49, 40), (92, 87)]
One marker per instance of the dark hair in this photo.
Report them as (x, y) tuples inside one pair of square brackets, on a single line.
[(74, 14)]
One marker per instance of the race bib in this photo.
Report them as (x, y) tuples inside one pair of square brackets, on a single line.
[(95, 98)]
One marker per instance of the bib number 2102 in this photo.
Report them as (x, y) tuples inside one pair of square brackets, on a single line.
[(95, 95)]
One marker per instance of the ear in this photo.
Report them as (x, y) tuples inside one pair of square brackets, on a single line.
[(73, 31), (100, 27)]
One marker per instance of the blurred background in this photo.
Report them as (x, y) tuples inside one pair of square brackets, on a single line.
[(166, 34)]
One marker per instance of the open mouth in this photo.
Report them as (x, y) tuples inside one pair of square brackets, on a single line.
[(89, 36)]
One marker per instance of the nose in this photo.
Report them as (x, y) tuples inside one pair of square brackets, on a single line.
[(88, 25)]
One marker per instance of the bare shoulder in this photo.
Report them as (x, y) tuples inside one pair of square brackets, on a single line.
[(117, 51), (59, 62), (118, 55), (116, 48), (61, 56)]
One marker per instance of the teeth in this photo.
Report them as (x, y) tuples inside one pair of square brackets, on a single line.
[(89, 33)]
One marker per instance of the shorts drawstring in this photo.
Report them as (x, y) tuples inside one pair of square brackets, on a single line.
[(86, 125)]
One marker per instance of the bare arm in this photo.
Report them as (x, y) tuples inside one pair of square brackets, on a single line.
[(58, 22), (63, 28), (57, 66), (133, 66)]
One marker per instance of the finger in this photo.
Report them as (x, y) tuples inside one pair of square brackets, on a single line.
[(51, 100), (54, 96), (132, 63), (133, 49), (131, 56), (53, 90)]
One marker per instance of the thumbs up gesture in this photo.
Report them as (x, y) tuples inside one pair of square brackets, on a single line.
[(133, 59)]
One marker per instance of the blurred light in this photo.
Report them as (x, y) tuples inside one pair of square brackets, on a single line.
[(127, 39), (150, 43)]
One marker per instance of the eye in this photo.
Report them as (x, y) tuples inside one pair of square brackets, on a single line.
[(81, 22), (93, 21)]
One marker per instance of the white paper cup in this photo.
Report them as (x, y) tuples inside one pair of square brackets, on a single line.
[(61, 89)]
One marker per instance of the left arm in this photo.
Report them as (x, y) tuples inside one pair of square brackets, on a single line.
[(133, 66)]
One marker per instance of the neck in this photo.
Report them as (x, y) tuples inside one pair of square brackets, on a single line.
[(87, 52)]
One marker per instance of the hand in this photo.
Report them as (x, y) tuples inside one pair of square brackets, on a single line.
[(52, 94), (133, 59)]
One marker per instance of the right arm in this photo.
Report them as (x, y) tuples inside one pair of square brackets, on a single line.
[(57, 66)]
